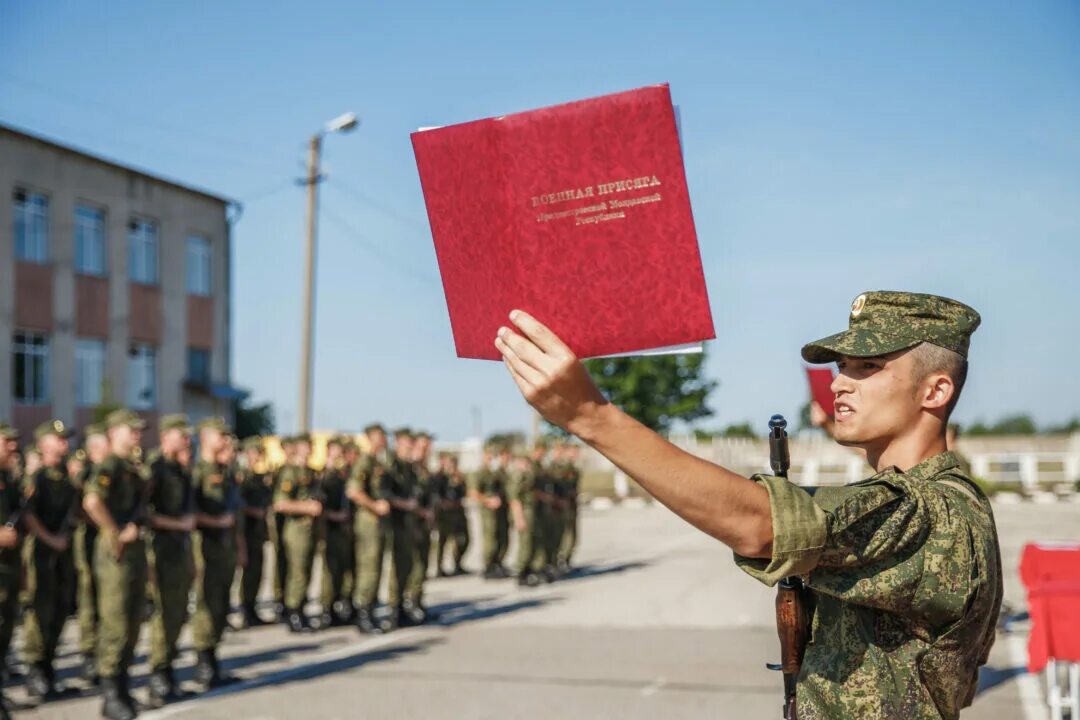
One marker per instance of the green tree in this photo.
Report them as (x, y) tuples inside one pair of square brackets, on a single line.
[(510, 438), (656, 391), (739, 430), (1010, 425), (253, 419), (1071, 426)]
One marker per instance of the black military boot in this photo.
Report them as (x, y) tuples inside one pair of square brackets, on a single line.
[(365, 620), (115, 705), (37, 681), (88, 670), (412, 614), (528, 579), (344, 612), (159, 688), (298, 622), (390, 623), (204, 668), (251, 617)]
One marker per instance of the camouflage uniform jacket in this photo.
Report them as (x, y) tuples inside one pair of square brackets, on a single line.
[(905, 573)]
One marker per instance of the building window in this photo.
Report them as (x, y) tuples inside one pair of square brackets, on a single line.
[(89, 372), (143, 252), (142, 377), (31, 227), (198, 367), (31, 368), (89, 240), (198, 266)]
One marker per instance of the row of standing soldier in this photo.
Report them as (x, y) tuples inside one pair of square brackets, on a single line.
[(119, 532)]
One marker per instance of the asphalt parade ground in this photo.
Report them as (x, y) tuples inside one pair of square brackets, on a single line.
[(656, 622)]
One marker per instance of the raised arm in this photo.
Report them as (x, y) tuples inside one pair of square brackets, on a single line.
[(731, 508)]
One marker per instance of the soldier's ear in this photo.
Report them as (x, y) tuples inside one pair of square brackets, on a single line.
[(937, 390)]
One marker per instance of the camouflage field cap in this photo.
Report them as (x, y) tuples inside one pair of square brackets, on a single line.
[(7, 432), (338, 440), (374, 427), (176, 421), (301, 438), (214, 422), (52, 427), (124, 417), (423, 435), (254, 442), (94, 429), (886, 321), (403, 432)]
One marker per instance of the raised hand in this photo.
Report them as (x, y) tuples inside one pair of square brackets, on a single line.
[(548, 373)]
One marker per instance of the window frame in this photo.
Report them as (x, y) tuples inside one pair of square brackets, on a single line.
[(22, 345), (20, 209), (199, 265), (101, 238), (143, 269), (142, 365), (82, 359)]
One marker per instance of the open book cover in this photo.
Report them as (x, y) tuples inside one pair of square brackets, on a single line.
[(578, 214)]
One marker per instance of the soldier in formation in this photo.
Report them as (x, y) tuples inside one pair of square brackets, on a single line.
[(106, 530)]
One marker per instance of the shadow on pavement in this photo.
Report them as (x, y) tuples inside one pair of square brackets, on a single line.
[(991, 677)]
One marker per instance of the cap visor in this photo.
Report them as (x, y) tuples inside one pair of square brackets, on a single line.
[(855, 343)]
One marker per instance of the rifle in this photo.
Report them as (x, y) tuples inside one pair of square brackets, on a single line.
[(791, 596)]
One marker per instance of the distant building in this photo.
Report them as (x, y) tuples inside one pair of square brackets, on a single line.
[(114, 288)]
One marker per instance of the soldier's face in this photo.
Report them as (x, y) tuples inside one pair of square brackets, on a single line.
[(378, 441), (97, 447), (303, 452), (877, 399), (123, 438)]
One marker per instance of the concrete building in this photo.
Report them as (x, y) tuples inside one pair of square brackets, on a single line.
[(114, 288)]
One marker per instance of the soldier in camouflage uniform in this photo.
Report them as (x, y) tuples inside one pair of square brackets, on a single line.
[(371, 526), (257, 494), (565, 532), (171, 521), (903, 569), (216, 505), (413, 603), (115, 499), (398, 485), (296, 499), (50, 514), (527, 512), (96, 444), (10, 557), (351, 452), (277, 528), (337, 535), (489, 492), (450, 489)]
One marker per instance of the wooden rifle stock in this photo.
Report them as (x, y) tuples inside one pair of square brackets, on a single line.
[(792, 616)]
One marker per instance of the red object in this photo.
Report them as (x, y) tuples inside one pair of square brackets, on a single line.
[(1051, 575), (821, 379), (578, 214)]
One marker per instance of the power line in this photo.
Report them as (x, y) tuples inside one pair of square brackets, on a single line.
[(365, 242), (399, 217)]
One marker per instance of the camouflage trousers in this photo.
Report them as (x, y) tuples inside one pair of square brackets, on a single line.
[(300, 546), (10, 571), (52, 576), (421, 556), (281, 558), (251, 575), (530, 550), (83, 542), (173, 567), (371, 541), (212, 597), (453, 530), (568, 534), (496, 527), (404, 535), (336, 557), (121, 587)]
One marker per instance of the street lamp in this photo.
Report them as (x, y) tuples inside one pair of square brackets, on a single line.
[(342, 123)]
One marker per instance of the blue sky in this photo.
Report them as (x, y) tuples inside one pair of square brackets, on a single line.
[(829, 149)]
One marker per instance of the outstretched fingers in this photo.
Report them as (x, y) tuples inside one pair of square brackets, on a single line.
[(539, 334)]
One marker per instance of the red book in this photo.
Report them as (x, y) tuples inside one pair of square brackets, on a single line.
[(821, 379), (578, 214)]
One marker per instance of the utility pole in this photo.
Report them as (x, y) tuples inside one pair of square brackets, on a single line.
[(341, 124), (308, 333)]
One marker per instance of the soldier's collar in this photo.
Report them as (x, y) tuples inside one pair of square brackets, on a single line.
[(934, 465)]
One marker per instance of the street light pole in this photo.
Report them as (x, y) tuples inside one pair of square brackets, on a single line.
[(342, 123), (308, 332)]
